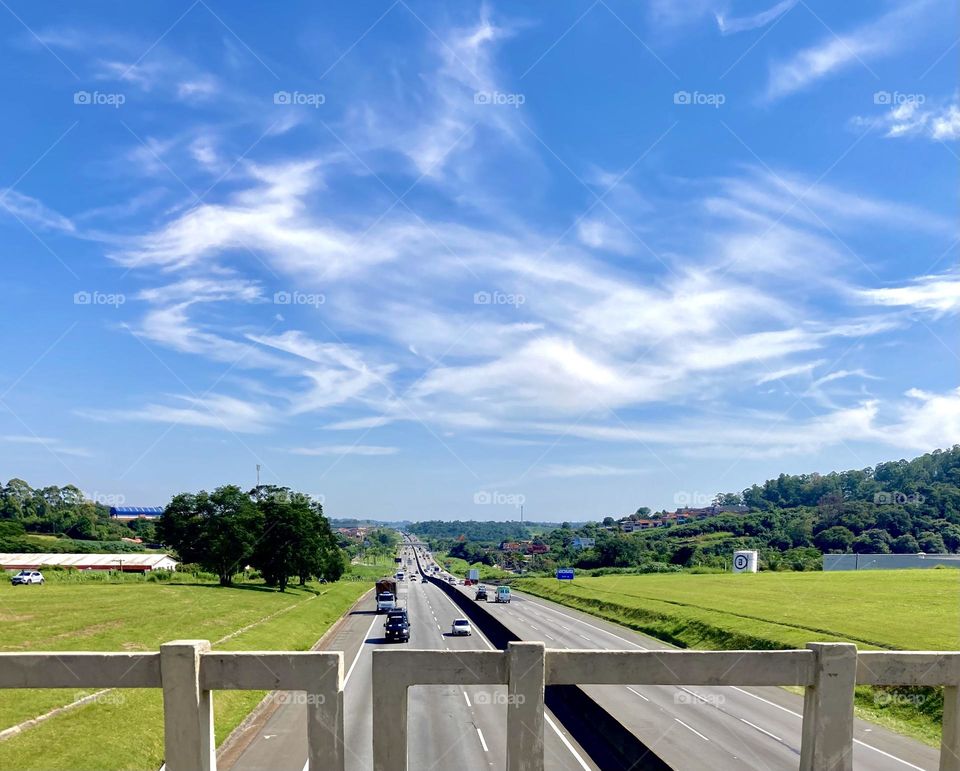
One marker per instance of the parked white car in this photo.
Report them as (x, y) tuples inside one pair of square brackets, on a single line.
[(27, 577), (461, 627)]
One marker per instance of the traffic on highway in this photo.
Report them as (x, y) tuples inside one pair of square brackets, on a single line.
[(690, 728)]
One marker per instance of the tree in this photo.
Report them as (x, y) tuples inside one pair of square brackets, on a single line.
[(905, 544), (727, 499), (643, 512), (609, 522), (217, 531), (834, 539), (873, 541), (296, 540), (931, 543)]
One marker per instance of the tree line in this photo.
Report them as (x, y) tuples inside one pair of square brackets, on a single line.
[(64, 511), (280, 533)]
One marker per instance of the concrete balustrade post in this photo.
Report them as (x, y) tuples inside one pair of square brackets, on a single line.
[(389, 712), (187, 708), (827, 740), (950, 742), (325, 749), (525, 706)]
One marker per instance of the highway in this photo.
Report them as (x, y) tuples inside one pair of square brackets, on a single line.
[(450, 726), (698, 728)]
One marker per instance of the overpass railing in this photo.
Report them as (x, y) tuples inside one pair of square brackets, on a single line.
[(188, 671)]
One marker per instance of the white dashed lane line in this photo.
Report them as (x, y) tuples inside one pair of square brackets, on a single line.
[(467, 699), (637, 693), (761, 730), (482, 742), (691, 729)]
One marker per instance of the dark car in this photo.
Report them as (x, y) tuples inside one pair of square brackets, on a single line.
[(481, 594), (397, 628)]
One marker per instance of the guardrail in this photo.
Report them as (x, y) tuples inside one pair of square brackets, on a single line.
[(827, 671), (188, 672)]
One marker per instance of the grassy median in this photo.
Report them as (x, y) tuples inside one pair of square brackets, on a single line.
[(123, 729), (893, 610)]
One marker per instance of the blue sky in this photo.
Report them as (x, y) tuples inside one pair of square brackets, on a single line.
[(433, 260)]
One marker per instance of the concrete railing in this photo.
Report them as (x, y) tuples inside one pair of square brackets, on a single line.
[(188, 672), (827, 671)]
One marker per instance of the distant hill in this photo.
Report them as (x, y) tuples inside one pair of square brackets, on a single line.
[(900, 506)]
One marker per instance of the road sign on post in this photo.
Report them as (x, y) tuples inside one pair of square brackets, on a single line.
[(564, 574)]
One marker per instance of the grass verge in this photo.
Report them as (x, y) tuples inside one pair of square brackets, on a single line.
[(893, 610), (123, 729)]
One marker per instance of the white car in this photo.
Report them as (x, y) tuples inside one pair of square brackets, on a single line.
[(461, 627), (27, 577)]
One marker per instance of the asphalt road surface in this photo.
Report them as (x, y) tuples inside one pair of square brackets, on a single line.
[(449, 726), (701, 727)]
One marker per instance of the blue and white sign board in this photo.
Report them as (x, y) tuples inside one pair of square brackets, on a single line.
[(564, 574)]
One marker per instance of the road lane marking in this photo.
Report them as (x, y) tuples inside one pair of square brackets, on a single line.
[(761, 730), (855, 741), (362, 646), (482, 742), (637, 693), (534, 628), (691, 729), (548, 636), (467, 699), (566, 743), (580, 621), (766, 701)]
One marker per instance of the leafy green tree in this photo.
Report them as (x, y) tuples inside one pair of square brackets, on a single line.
[(834, 539), (873, 541), (931, 543), (214, 530), (905, 544), (727, 499)]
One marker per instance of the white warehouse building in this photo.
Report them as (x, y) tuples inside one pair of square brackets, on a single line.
[(131, 562)]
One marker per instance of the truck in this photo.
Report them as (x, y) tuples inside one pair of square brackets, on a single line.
[(386, 594), (503, 594)]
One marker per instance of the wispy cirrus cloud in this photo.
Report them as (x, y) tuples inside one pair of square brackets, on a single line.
[(731, 25), (837, 51), (934, 294), (345, 449)]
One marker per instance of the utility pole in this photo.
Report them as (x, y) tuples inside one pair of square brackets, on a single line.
[(258, 480), (521, 513)]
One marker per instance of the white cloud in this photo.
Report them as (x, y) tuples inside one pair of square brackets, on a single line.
[(913, 118), (345, 449), (565, 471), (788, 372), (31, 210), (837, 51), (54, 445), (225, 413), (929, 420), (936, 294), (733, 25)]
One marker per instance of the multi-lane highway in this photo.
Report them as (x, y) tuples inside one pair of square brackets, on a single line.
[(450, 726), (698, 728)]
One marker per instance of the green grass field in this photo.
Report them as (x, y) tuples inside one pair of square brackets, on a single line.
[(895, 610), (459, 567), (124, 728)]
